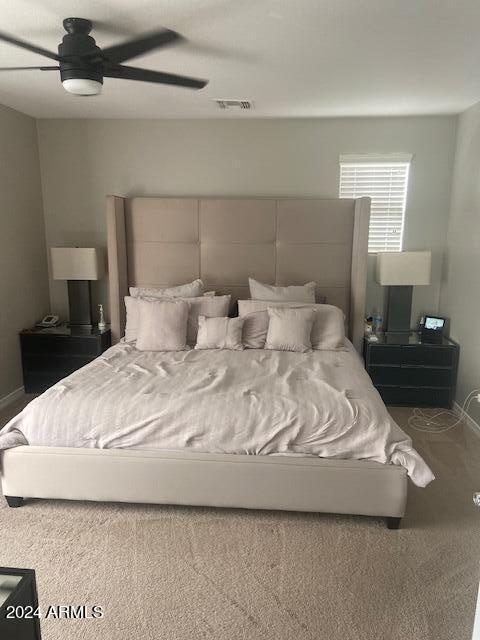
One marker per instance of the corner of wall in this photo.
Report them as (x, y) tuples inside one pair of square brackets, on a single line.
[(22, 241)]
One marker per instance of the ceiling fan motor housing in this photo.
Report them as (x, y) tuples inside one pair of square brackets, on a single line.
[(77, 43)]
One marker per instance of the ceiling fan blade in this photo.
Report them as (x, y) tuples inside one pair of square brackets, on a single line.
[(136, 46), (29, 68), (145, 75), (30, 47)]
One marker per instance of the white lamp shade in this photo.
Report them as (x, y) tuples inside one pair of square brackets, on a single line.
[(75, 263), (404, 268)]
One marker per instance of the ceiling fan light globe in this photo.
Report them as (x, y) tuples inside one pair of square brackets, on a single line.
[(82, 86)]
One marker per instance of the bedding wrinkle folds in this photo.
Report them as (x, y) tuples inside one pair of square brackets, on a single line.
[(256, 402)]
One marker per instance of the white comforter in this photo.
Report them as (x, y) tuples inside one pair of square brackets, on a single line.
[(249, 402)]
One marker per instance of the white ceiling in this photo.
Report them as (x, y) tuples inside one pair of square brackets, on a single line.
[(293, 58)]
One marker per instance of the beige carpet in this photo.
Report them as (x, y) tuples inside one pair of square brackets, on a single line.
[(185, 573)]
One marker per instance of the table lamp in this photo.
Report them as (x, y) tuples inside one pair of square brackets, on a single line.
[(400, 271), (78, 266)]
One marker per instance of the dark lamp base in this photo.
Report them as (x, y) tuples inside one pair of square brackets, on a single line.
[(399, 309), (80, 303)]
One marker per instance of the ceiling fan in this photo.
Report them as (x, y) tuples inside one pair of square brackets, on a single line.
[(83, 65)]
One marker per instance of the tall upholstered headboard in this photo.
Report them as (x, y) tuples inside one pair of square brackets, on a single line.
[(223, 241)]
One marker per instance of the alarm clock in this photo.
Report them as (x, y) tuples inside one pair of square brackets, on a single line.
[(431, 330)]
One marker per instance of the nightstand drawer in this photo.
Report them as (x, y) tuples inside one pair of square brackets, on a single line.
[(410, 376), (50, 344), (40, 381), (428, 355), (386, 355), (57, 364), (415, 397)]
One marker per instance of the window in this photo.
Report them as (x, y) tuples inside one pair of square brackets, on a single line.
[(385, 180)]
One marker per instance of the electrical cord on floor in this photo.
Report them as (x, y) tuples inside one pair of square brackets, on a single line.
[(431, 423)]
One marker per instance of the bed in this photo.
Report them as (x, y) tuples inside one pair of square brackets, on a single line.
[(165, 241)]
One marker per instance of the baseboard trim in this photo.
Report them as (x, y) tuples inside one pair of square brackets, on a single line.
[(457, 409), (11, 397)]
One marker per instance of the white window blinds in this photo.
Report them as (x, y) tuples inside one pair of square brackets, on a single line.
[(386, 182)]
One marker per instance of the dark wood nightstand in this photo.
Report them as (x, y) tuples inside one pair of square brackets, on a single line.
[(48, 355), (407, 371)]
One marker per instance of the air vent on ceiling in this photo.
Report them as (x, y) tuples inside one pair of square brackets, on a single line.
[(234, 104)]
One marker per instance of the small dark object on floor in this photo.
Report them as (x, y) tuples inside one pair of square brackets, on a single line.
[(393, 523), (14, 501)]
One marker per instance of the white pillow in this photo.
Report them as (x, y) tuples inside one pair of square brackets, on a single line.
[(162, 325), (132, 317), (190, 290), (210, 307), (289, 329), (219, 333), (295, 293), (328, 332)]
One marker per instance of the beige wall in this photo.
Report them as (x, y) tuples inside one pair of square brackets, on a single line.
[(460, 293), (83, 160), (23, 267)]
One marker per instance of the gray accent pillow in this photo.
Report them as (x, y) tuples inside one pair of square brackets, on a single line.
[(294, 293), (162, 325), (219, 333), (289, 329)]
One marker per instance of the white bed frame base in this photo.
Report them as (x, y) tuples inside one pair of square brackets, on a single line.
[(217, 480)]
